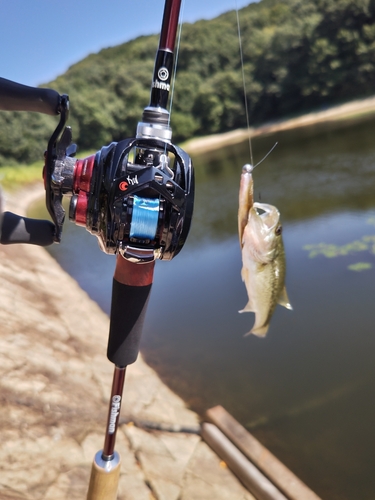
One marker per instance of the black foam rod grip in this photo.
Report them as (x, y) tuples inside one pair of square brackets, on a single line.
[(17, 97), (17, 229), (128, 310)]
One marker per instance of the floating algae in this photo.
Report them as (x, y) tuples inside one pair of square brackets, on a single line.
[(360, 266), (329, 250)]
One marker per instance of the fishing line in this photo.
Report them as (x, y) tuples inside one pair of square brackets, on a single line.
[(175, 67), (269, 152), (244, 84), (145, 218)]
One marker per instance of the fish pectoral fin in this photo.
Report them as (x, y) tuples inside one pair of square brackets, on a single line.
[(284, 299), (244, 274)]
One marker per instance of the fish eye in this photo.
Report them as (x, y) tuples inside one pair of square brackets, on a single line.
[(279, 230)]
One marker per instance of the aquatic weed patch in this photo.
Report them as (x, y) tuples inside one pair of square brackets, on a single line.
[(360, 266), (329, 250)]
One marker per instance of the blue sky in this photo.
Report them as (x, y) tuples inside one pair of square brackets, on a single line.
[(40, 39)]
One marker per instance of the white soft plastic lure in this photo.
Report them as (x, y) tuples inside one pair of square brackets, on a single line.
[(263, 257)]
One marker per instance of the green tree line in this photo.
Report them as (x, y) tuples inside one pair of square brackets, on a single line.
[(298, 55)]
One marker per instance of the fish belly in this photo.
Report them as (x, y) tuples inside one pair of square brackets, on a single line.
[(264, 284)]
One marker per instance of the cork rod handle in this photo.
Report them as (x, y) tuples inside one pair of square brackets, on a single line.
[(103, 484)]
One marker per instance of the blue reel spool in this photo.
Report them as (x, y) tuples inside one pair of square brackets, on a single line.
[(145, 218)]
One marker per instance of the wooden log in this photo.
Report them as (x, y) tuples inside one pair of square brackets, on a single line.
[(276, 471), (247, 473)]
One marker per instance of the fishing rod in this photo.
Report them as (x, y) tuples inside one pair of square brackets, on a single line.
[(136, 196)]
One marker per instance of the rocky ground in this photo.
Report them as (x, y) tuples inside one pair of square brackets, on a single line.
[(55, 384)]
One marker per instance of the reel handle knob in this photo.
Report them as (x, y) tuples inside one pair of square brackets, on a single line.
[(17, 229), (17, 97)]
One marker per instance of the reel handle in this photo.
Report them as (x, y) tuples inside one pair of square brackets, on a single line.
[(17, 97), (130, 294)]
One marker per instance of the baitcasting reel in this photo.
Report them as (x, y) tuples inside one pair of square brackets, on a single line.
[(136, 196)]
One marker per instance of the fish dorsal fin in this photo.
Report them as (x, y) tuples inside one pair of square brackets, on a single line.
[(284, 299)]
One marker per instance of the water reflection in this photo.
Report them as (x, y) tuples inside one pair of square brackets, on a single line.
[(306, 390)]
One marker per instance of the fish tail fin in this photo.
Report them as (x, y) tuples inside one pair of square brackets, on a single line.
[(284, 299), (260, 331)]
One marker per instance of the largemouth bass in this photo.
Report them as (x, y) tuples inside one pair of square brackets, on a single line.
[(263, 256)]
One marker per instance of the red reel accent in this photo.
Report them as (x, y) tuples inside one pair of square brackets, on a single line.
[(82, 174), (81, 209), (81, 186)]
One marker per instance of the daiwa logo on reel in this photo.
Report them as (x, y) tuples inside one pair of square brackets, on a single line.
[(163, 75)]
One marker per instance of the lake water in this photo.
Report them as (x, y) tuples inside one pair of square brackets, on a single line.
[(306, 391)]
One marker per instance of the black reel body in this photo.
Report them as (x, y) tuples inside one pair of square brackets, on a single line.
[(137, 197)]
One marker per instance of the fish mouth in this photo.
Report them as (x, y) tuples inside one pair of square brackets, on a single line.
[(268, 215)]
